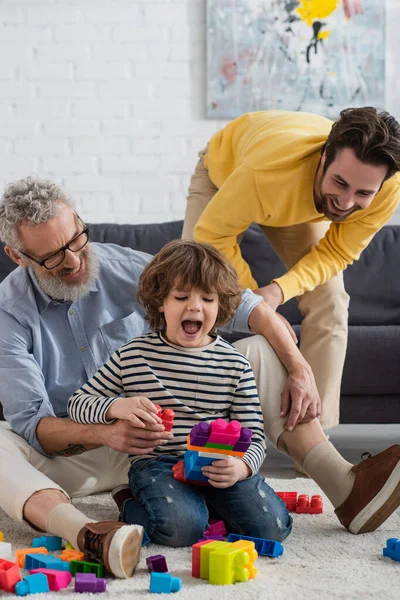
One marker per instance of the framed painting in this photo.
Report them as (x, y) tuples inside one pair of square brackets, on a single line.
[(316, 56)]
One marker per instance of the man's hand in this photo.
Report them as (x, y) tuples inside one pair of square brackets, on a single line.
[(138, 410), (272, 294), (300, 399), (125, 437), (225, 473)]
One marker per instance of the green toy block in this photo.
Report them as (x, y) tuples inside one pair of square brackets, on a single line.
[(205, 552), (218, 446), (83, 566)]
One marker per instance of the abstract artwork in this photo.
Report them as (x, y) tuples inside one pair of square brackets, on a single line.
[(311, 55)]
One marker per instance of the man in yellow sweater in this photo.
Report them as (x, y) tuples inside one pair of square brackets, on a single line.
[(319, 191)]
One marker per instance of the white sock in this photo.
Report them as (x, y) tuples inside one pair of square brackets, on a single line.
[(66, 521), (331, 471)]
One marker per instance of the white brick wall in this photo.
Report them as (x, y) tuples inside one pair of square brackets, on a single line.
[(107, 97)]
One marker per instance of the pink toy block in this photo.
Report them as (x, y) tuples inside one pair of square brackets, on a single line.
[(9, 575), (225, 433), (290, 499), (199, 434), (157, 563), (305, 506), (58, 580), (196, 557), (215, 528)]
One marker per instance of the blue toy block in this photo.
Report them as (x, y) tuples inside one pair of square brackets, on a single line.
[(192, 469), (50, 542), (32, 584), (164, 583), (392, 549), (45, 561), (264, 547), (146, 539)]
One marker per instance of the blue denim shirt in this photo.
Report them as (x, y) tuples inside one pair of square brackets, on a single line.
[(48, 349)]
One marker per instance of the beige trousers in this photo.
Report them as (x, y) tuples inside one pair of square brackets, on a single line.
[(24, 471), (323, 340)]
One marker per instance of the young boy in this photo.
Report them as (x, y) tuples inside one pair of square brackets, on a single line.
[(188, 290)]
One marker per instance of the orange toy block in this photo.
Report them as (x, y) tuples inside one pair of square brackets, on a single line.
[(1, 536), (196, 557), (69, 554), (212, 450), (250, 548), (20, 554), (9, 575), (309, 507)]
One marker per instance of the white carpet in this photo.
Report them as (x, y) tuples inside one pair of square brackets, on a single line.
[(321, 560)]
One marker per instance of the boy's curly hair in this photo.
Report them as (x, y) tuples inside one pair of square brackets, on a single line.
[(191, 264)]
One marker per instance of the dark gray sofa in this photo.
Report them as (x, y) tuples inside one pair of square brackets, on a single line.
[(371, 379)]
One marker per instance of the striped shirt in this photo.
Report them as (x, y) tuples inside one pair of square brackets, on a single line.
[(199, 384)]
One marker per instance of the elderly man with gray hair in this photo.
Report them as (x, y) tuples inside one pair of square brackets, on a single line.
[(66, 308)]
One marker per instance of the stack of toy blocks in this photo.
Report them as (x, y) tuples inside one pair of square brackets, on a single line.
[(208, 442), (301, 504), (224, 563)]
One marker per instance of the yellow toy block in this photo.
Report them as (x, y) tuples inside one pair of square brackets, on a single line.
[(1, 536), (69, 546), (212, 450), (228, 565), (70, 554), (205, 552), (20, 554)]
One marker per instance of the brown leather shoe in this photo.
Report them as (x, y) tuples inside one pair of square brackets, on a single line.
[(115, 545), (375, 494)]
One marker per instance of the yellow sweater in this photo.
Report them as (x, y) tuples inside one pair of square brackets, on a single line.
[(264, 165)]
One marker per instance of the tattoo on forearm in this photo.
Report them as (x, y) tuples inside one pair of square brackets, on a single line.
[(72, 450)]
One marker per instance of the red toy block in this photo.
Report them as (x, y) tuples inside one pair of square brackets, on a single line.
[(304, 506), (196, 557), (9, 575), (290, 499), (167, 417), (58, 580), (225, 433)]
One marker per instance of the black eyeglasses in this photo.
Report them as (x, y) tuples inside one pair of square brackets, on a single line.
[(54, 260)]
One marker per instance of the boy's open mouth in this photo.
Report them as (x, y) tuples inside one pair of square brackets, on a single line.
[(191, 327)]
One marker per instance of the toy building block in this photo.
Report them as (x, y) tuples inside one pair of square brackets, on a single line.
[(196, 557), (69, 546), (88, 582), (229, 565), (218, 537), (9, 575), (193, 463), (178, 471), (205, 552), (83, 566), (244, 440), (263, 546), (32, 584), (157, 563), (20, 554), (45, 561), (6, 551), (164, 583), (392, 549), (50, 542), (167, 417), (215, 528), (309, 507), (57, 580), (1, 536), (290, 500), (70, 554), (225, 433), (146, 540), (199, 434), (218, 450), (248, 547)]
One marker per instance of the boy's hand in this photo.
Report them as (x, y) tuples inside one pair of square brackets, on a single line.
[(226, 472), (140, 411)]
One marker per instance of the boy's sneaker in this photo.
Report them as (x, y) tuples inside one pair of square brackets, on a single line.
[(120, 494), (375, 494), (115, 545)]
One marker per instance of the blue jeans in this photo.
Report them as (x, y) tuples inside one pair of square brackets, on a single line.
[(176, 514)]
